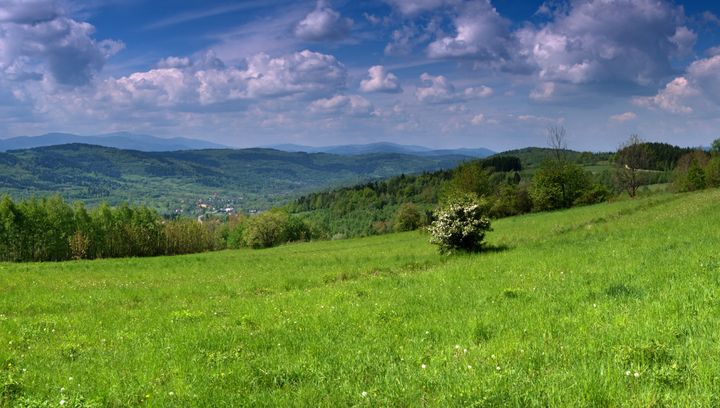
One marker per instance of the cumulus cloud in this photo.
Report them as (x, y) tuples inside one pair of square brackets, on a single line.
[(672, 97), (380, 81), (625, 41), (481, 34), (206, 84), (699, 84), (354, 105), (323, 24), (38, 40), (440, 90), (623, 117)]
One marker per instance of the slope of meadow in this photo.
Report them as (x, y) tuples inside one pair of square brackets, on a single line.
[(614, 304)]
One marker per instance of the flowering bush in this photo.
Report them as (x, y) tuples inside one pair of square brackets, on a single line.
[(460, 226)]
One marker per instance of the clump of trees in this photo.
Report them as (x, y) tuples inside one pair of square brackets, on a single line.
[(49, 229), (698, 169), (460, 225)]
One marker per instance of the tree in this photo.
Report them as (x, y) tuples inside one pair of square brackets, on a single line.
[(557, 140), (631, 158), (407, 217), (557, 185), (689, 172), (712, 172), (715, 148), (461, 225)]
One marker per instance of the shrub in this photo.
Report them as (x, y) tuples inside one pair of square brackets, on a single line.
[(407, 217), (460, 226)]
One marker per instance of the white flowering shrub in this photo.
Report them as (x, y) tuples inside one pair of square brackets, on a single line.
[(460, 226)]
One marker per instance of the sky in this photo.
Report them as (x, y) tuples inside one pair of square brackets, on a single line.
[(439, 73)]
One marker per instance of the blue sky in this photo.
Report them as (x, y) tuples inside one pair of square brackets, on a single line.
[(440, 73)]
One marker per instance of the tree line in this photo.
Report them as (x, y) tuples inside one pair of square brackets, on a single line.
[(49, 229)]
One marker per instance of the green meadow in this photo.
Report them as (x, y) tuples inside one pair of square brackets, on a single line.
[(616, 304)]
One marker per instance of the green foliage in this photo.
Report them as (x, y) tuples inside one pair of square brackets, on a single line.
[(50, 230), (273, 228), (460, 225), (715, 148), (596, 194), (712, 172), (689, 172), (557, 185), (407, 217)]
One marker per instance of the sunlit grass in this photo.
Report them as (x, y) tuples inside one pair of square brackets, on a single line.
[(614, 304)]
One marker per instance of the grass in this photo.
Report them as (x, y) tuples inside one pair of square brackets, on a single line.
[(608, 305)]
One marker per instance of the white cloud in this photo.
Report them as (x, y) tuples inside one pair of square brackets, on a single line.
[(440, 90), (624, 117), (323, 24), (414, 7), (699, 86), (478, 119), (174, 62), (481, 34), (343, 104), (380, 81), (38, 40), (543, 91), (607, 41), (672, 97)]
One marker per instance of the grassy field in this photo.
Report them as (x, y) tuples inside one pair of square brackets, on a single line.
[(610, 305)]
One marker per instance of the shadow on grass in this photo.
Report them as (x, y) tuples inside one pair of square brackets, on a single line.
[(491, 249)]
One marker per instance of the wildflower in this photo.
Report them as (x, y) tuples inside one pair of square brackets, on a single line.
[(627, 372), (62, 389), (70, 379), (171, 393), (497, 368), (423, 366), (637, 375), (62, 402), (469, 366), (364, 394), (457, 347)]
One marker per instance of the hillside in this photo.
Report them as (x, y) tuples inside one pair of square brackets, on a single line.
[(244, 179), (119, 140), (606, 305)]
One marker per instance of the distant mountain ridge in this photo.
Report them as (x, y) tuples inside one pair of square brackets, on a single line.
[(383, 147), (118, 140), (240, 178)]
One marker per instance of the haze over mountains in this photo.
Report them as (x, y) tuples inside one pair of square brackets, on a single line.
[(382, 147), (149, 143), (118, 140)]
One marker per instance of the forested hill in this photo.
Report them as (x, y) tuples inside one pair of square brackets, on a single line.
[(244, 179)]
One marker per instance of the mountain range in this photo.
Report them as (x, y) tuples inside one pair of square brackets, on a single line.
[(383, 147), (149, 143), (119, 140)]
